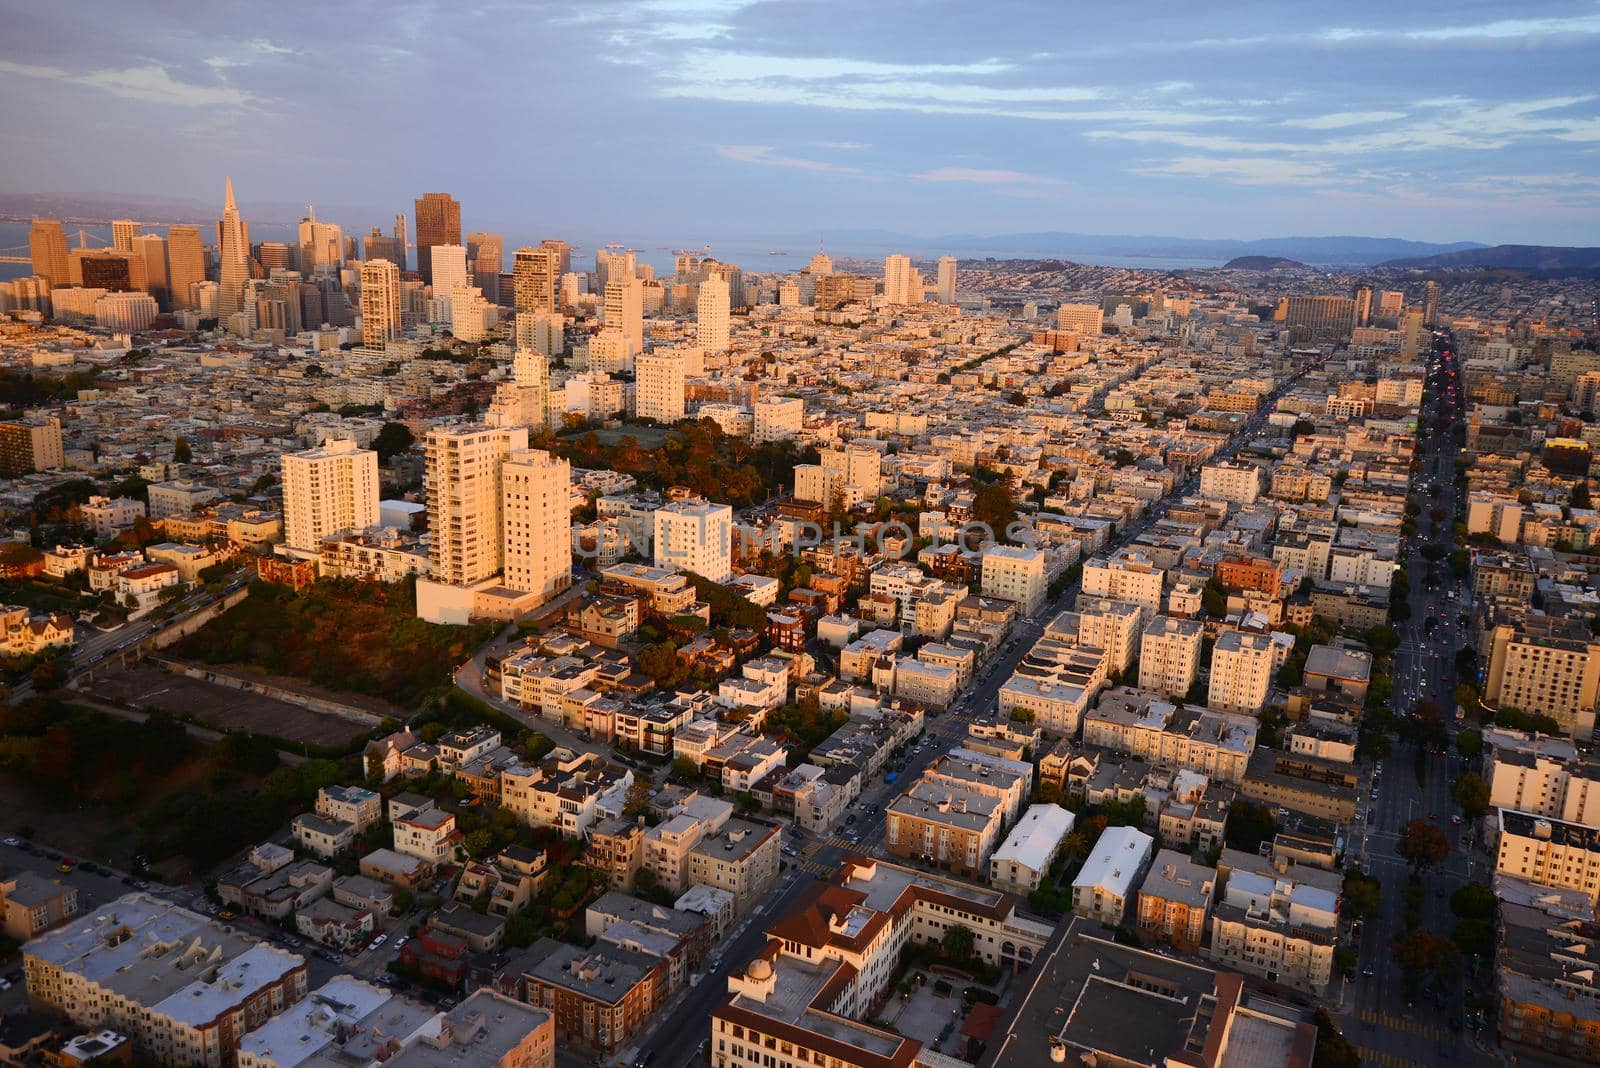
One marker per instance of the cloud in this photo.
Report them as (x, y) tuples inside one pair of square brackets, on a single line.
[(765, 155), (1340, 119), (1245, 170), (844, 146), (147, 85), (986, 177), (1498, 30)]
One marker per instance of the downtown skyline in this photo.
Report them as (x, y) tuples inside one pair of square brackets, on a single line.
[(729, 118)]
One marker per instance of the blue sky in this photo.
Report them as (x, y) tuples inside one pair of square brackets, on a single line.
[(725, 117)]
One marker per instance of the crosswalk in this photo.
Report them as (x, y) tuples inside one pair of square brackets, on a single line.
[(1387, 1060), (1397, 1023), (812, 867)]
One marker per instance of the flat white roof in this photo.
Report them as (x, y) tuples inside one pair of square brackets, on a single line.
[(1035, 838), (1115, 861)]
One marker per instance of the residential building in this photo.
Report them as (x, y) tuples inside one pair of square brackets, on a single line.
[(695, 536), (344, 1021), (1243, 667), (1105, 885), (600, 997), (1126, 575), (1175, 901), (33, 445), (1546, 665), (1024, 858), (1015, 573), (31, 904), (327, 491), (1169, 655), (1084, 319), (1541, 775), (186, 989), (658, 386), (536, 510), (713, 310), (1548, 852), (429, 835), (1234, 482), (1283, 928)]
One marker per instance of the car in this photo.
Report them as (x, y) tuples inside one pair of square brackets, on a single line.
[(400, 943), (1455, 820), (66, 865), (127, 880), (1434, 816), (141, 884), (850, 818), (380, 940), (13, 842), (226, 914)]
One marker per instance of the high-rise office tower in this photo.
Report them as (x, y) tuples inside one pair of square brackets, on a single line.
[(321, 246), (1085, 319), (562, 251), (103, 268), (900, 283), (535, 279), (1390, 301), (821, 263), (378, 247), (731, 274), (537, 511), (328, 490), (624, 309), (658, 386), (123, 231), (947, 279), (449, 264), (275, 256), (438, 223), (1363, 304), (1317, 320), (712, 314), (151, 250), (380, 303), (186, 264), (485, 256), (400, 236), (233, 260), (466, 499), (47, 247), (1430, 303)]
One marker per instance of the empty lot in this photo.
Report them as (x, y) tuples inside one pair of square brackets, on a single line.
[(223, 707)]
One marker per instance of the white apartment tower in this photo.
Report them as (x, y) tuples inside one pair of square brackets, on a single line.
[(328, 490), (1242, 666), (712, 314), (778, 418), (947, 280), (1169, 655), (465, 499), (380, 303), (537, 508), (658, 386), (624, 309), (901, 285), (697, 536)]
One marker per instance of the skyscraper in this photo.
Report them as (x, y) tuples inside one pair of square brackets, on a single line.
[(1317, 320), (47, 247), (1430, 303), (536, 507), (380, 303), (1363, 304), (821, 263), (624, 309), (465, 499), (186, 264), (321, 246), (378, 247), (123, 231), (712, 314), (328, 490), (612, 263), (900, 283), (449, 266), (233, 255), (535, 279), (485, 256), (947, 279), (438, 223), (151, 250), (400, 236)]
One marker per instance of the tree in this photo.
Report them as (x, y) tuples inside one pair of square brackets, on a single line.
[(1333, 1050), (1362, 895), (1421, 953), (48, 675), (1249, 824), (1422, 845), (957, 942), (1472, 794), (392, 439), (181, 452), (993, 506), (1214, 598), (660, 661)]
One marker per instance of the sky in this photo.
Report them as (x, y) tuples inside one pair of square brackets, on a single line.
[(1441, 122)]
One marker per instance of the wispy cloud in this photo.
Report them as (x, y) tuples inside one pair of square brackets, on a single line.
[(152, 84), (1245, 170), (1340, 119), (768, 156), (978, 176)]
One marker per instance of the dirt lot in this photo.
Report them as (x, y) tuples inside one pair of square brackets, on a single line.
[(223, 707)]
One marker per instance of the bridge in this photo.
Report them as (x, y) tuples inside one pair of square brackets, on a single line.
[(10, 254)]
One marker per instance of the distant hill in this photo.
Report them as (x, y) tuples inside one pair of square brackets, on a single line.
[(1539, 259), (1259, 263)]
